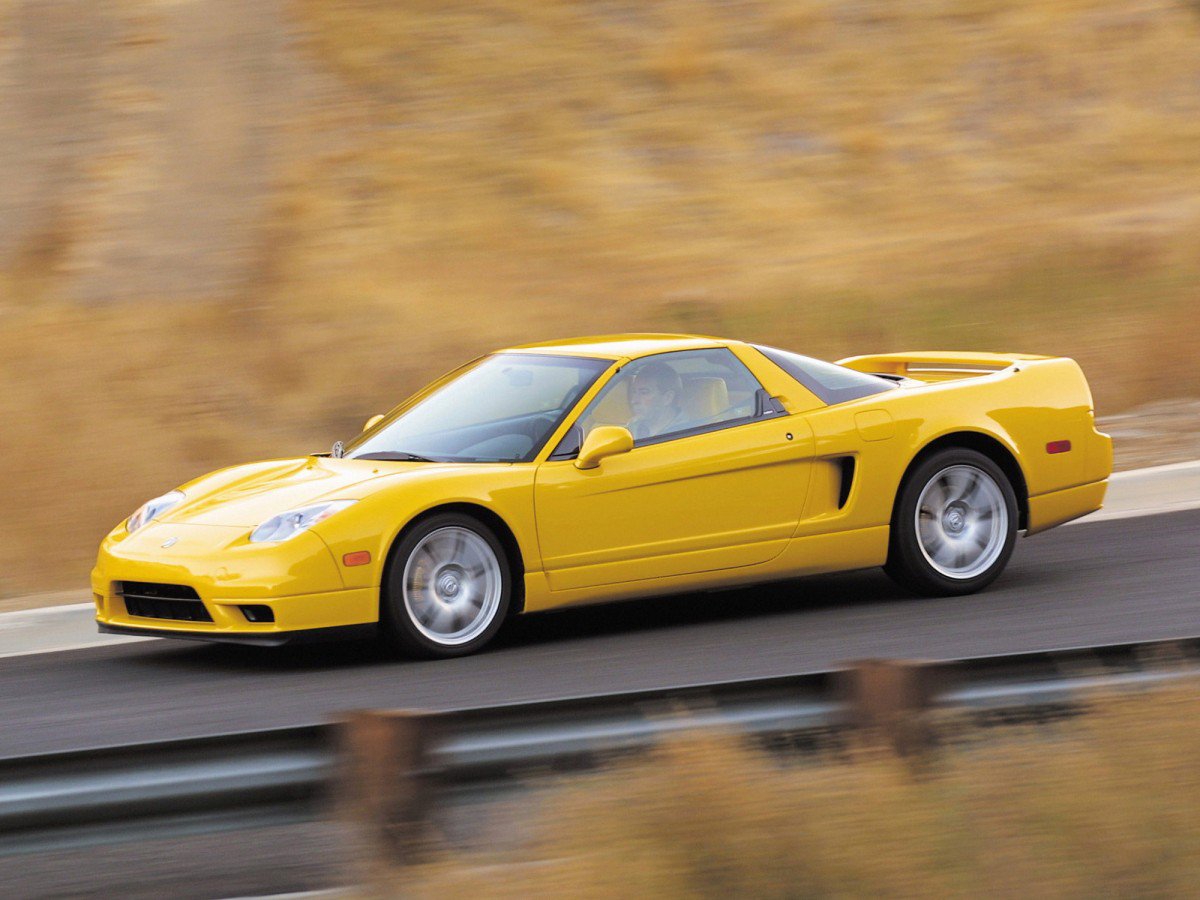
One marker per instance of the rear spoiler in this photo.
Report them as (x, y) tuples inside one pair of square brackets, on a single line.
[(933, 361)]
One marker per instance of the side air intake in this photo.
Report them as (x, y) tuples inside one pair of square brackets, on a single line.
[(846, 465)]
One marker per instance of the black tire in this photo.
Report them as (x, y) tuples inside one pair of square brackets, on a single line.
[(402, 627), (914, 563)]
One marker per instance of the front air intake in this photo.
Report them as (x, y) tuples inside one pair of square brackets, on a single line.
[(175, 602)]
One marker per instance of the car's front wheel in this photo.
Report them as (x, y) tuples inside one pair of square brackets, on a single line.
[(447, 588), (954, 526)]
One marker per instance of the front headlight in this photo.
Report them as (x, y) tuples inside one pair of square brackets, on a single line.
[(152, 509), (291, 523)]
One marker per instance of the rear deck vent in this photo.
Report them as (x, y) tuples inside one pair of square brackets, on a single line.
[(846, 464)]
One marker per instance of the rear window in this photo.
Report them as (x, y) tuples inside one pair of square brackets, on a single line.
[(830, 382)]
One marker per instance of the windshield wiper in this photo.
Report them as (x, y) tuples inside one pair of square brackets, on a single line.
[(399, 455)]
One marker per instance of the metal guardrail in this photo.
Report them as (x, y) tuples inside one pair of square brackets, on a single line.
[(224, 781), (118, 793)]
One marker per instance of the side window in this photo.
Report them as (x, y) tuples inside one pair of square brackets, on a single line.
[(669, 395)]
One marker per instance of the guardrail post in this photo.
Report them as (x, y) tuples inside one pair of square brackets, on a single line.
[(384, 795), (890, 697)]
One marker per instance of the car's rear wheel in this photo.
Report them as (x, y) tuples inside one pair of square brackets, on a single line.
[(447, 588), (955, 525)]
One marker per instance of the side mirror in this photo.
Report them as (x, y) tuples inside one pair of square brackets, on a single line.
[(373, 421), (605, 440)]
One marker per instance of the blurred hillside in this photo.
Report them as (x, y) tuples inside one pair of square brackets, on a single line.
[(230, 230)]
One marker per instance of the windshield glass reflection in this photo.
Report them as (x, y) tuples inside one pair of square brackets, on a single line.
[(502, 409)]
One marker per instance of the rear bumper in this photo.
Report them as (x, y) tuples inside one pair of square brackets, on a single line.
[(1057, 507)]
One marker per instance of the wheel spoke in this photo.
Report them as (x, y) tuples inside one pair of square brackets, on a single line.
[(945, 553), (473, 560), (441, 548), (427, 612), (442, 617), (928, 532), (955, 484), (424, 553), (973, 484), (423, 604), (938, 500), (935, 544)]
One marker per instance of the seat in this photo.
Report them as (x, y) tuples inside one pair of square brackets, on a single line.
[(613, 408), (704, 398)]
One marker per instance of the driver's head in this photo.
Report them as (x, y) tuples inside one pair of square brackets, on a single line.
[(656, 388)]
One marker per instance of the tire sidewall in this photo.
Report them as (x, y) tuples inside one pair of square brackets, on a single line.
[(397, 625), (907, 563)]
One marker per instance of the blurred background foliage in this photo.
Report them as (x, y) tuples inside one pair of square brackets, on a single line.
[(1103, 805), (233, 230)]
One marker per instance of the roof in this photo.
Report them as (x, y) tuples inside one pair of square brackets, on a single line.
[(618, 346)]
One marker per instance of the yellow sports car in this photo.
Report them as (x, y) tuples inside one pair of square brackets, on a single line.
[(609, 467)]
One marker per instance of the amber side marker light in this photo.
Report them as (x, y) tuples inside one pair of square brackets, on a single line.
[(1058, 446), (357, 558)]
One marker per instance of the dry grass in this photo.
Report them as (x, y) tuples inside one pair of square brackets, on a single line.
[(837, 178), (1106, 807)]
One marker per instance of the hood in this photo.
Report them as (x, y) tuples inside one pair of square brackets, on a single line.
[(246, 496)]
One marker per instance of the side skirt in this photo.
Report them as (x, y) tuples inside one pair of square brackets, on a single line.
[(840, 551)]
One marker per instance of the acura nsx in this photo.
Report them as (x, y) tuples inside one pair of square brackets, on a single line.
[(612, 467)]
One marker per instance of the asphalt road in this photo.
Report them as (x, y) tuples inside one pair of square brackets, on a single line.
[(1116, 581)]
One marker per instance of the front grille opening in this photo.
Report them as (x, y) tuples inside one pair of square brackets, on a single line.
[(257, 612), (147, 600)]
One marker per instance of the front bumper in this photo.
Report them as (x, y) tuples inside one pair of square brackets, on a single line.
[(265, 639), (297, 580)]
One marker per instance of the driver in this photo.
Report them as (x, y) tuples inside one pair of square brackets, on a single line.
[(654, 398)]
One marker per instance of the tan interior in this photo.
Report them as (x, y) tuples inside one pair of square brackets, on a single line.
[(704, 397), (613, 408)]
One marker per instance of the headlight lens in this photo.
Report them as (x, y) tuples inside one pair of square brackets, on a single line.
[(291, 523), (152, 509)]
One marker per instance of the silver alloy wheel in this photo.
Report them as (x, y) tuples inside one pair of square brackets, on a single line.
[(452, 585), (962, 522)]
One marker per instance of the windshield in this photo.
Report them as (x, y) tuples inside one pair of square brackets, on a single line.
[(502, 409)]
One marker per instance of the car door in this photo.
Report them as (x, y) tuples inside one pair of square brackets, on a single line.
[(722, 486)]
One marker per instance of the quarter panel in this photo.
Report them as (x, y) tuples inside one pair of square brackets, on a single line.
[(1023, 408), (880, 455)]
